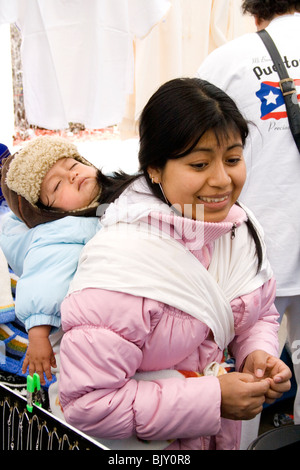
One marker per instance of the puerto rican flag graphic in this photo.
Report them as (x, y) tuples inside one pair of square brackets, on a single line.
[(272, 101)]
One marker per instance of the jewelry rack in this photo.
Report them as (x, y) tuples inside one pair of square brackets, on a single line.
[(21, 429)]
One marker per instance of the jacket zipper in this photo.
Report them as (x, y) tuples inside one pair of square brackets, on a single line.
[(234, 226)]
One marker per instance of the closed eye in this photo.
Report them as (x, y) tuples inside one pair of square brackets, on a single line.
[(233, 160), (74, 164), (56, 186), (199, 166)]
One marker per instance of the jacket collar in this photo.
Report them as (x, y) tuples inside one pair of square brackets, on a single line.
[(137, 204), (196, 233)]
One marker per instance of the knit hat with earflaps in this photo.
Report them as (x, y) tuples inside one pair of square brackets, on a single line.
[(22, 175)]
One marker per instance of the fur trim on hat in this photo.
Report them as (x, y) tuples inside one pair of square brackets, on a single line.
[(30, 165)]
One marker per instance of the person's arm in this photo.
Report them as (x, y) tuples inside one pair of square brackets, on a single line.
[(256, 346), (101, 350), (45, 258), (39, 355), (256, 324), (100, 353), (48, 268)]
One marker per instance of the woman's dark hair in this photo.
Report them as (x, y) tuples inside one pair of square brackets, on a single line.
[(114, 185), (173, 121), (267, 9), (179, 114)]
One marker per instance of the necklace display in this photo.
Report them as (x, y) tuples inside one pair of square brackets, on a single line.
[(21, 429)]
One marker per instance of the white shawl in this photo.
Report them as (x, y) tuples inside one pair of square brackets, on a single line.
[(135, 258)]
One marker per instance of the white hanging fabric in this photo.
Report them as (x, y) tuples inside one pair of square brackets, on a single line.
[(77, 56)]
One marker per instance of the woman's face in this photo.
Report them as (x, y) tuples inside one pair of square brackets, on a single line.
[(69, 185), (206, 183)]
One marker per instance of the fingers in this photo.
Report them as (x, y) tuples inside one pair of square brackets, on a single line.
[(280, 371), (256, 387), (243, 395), (276, 390), (53, 362), (275, 383), (47, 370), (41, 374), (257, 390), (41, 368), (25, 365), (37, 368), (280, 387), (260, 364)]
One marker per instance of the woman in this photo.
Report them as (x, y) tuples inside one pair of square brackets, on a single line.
[(176, 276)]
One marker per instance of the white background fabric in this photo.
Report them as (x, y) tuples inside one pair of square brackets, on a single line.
[(77, 56), (98, 62)]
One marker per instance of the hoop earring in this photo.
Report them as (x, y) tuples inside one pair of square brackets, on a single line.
[(162, 191), (161, 188), (152, 179)]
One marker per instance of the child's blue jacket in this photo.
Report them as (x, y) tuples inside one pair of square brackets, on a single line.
[(45, 258)]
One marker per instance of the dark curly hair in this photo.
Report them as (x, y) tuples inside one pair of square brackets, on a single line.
[(267, 9)]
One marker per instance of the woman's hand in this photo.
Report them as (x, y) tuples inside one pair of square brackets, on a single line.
[(242, 395), (264, 366)]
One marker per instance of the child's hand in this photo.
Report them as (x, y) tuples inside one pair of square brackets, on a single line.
[(264, 366), (39, 356)]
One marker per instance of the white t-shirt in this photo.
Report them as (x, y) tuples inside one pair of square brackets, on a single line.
[(244, 70), (78, 56)]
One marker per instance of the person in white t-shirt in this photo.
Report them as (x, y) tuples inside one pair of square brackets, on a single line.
[(243, 68)]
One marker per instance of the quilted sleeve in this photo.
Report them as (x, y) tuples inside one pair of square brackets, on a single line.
[(101, 350), (256, 323)]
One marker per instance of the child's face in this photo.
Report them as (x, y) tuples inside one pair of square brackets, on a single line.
[(69, 185), (211, 177)]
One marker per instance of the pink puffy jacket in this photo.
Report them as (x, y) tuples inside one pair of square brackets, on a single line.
[(110, 335)]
